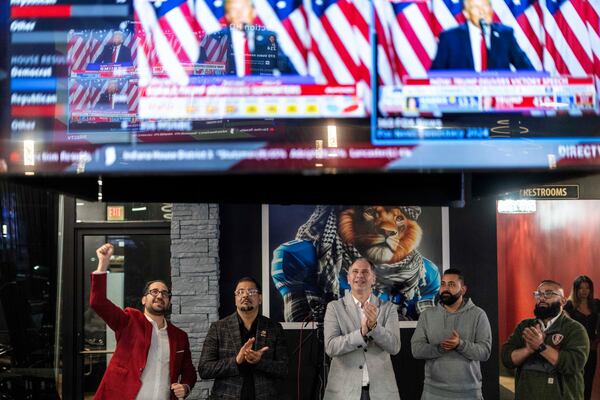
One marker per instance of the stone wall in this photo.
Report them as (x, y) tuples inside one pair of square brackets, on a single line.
[(195, 276)]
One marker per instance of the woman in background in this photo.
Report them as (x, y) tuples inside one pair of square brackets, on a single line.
[(583, 308)]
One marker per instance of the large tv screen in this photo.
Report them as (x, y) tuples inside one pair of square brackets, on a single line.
[(489, 83), (168, 86)]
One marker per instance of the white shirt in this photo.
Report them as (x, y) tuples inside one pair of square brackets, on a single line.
[(155, 378), (365, 376), (238, 38), (117, 49), (545, 327), (475, 37)]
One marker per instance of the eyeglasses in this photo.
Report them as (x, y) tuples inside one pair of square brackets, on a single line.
[(547, 294), (249, 292), (154, 292)]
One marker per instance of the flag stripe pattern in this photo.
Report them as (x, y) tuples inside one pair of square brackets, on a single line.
[(330, 40)]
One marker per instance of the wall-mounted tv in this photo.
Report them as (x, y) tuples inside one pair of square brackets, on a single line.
[(299, 85), (490, 83)]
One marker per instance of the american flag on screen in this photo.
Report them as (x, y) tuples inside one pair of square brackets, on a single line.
[(558, 36), (169, 38), (84, 47), (325, 39), (329, 39), (84, 94)]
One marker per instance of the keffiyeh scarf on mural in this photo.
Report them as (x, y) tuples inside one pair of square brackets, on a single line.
[(336, 256), (406, 275)]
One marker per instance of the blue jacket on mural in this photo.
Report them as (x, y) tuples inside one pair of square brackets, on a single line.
[(295, 273)]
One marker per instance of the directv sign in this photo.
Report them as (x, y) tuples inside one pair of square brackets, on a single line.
[(550, 192)]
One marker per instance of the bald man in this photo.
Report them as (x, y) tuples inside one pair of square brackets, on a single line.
[(549, 351)]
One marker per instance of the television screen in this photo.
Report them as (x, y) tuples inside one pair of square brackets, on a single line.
[(290, 85), (453, 75)]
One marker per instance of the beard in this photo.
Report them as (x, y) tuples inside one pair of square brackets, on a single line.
[(154, 311), (246, 306), (447, 298), (551, 311)]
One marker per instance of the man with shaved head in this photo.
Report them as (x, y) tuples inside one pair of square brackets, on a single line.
[(548, 351)]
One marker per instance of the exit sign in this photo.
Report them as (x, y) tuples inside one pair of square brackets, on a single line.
[(115, 213)]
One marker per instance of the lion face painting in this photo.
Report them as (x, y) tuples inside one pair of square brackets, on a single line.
[(312, 269), (382, 234)]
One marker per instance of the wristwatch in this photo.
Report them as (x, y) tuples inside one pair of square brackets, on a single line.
[(370, 328), (541, 348)]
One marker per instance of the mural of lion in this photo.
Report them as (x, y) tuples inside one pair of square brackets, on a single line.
[(382, 234), (312, 269)]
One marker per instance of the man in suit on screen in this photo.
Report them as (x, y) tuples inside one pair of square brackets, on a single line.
[(479, 44), (115, 52), (244, 47)]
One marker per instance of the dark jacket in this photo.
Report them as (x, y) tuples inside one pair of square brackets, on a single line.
[(265, 59), (536, 378), (454, 50), (221, 346), (105, 57)]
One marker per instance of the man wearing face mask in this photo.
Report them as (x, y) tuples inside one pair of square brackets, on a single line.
[(453, 338), (549, 351)]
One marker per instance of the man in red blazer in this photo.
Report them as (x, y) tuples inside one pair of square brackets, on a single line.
[(152, 360)]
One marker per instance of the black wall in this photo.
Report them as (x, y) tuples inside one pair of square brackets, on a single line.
[(239, 250), (28, 282), (472, 249)]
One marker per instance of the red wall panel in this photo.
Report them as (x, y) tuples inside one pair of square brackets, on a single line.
[(559, 241)]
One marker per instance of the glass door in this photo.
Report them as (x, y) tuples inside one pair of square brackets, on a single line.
[(137, 258)]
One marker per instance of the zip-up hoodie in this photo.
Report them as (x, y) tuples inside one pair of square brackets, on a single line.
[(455, 373)]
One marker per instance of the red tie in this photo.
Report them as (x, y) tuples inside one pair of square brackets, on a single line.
[(247, 57), (114, 55), (483, 53)]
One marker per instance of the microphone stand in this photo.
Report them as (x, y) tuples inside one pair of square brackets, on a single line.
[(317, 388), (323, 367)]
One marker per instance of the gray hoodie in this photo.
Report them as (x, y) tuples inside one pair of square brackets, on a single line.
[(456, 373)]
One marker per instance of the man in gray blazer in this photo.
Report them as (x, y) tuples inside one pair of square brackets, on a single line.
[(360, 334)]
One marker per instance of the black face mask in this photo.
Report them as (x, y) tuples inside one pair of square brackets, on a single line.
[(448, 298), (549, 312)]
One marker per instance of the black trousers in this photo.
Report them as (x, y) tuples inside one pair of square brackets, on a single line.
[(588, 375), (364, 394)]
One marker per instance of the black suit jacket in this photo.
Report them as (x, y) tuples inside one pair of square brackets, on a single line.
[(221, 345), (105, 57), (266, 57), (454, 50)]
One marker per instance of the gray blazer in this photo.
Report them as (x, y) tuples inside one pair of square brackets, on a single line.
[(349, 351)]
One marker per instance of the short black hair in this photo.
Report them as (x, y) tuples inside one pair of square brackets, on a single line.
[(149, 283), (248, 279), (455, 271)]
